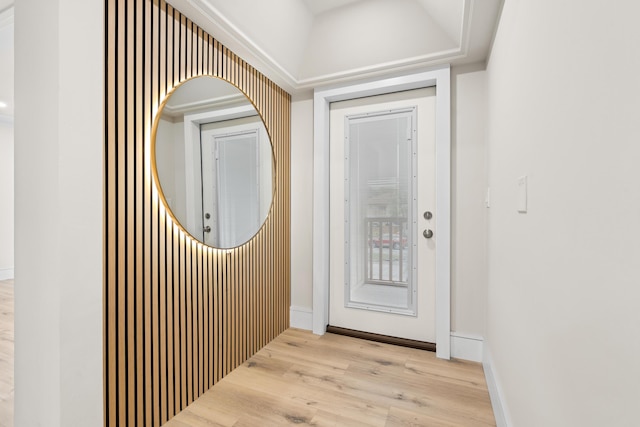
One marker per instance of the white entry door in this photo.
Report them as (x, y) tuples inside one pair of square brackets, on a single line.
[(382, 198)]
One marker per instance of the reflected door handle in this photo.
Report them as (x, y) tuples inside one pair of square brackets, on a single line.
[(427, 234), (207, 229)]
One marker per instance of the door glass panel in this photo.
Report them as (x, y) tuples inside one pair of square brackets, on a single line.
[(379, 211)]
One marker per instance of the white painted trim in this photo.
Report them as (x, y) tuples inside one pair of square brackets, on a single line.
[(500, 411), (211, 19), (465, 28), (193, 181), (443, 214), (221, 115), (6, 273), (466, 347), (440, 78), (5, 118), (301, 318), (211, 104), (320, 239), (443, 57)]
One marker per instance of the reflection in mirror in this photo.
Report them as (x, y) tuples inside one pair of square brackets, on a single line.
[(213, 162)]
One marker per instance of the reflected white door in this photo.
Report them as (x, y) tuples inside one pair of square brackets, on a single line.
[(382, 268), (231, 187)]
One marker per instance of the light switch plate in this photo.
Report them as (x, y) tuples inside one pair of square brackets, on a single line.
[(522, 194)]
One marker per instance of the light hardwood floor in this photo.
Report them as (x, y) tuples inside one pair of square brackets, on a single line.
[(6, 353), (301, 378)]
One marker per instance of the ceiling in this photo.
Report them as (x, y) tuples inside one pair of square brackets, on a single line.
[(304, 44)]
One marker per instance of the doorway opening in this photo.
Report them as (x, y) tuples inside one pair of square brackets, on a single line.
[(440, 79)]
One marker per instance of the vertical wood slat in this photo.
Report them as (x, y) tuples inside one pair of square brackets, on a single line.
[(129, 81), (110, 282), (170, 321), (178, 315), (138, 116), (170, 411), (121, 369), (182, 308), (176, 320), (146, 302)]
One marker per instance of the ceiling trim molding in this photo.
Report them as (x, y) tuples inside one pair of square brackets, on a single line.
[(218, 102), (465, 30), (275, 71), (425, 61), (237, 35)]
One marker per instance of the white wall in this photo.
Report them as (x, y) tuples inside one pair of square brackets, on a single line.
[(563, 297), (301, 213), (468, 212), (6, 200), (59, 212)]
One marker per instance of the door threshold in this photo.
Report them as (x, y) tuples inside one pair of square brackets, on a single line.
[(404, 342)]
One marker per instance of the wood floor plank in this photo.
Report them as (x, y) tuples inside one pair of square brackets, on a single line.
[(298, 391), (334, 419), (405, 418), (6, 352), (331, 380)]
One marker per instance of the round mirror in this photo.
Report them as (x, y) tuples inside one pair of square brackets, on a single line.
[(213, 162)]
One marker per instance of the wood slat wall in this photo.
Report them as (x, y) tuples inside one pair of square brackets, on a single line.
[(178, 315)]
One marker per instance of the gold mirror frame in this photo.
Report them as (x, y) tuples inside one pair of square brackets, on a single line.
[(156, 176)]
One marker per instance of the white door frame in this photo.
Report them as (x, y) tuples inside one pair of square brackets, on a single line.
[(440, 78)]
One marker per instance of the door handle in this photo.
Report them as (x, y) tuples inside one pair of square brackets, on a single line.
[(427, 234), (207, 229)]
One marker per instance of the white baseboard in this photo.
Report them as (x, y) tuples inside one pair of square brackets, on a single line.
[(301, 318), (6, 273), (466, 346), (495, 391)]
